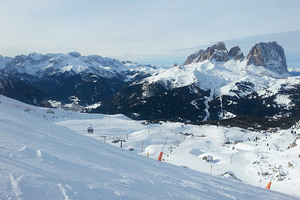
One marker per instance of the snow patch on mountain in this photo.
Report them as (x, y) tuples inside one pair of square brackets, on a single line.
[(283, 100)]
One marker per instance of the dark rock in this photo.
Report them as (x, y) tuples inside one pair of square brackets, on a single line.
[(236, 53)]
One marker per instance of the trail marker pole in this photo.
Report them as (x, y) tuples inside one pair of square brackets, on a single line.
[(161, 153), (142, 148), (270, 182), (260, 182)]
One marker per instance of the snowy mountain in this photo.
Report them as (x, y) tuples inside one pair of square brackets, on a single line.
[(212, 84), (49, 64), (63, 77), (216, 84), (288, 40), (49, 155)]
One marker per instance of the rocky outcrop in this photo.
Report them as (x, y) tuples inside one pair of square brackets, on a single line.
[(236, 53), (269, 55), (217, 52), (192, 58)]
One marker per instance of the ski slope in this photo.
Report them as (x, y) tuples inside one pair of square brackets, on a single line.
[(50, 156)]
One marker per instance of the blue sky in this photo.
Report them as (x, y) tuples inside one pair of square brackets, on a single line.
[(146, 31)]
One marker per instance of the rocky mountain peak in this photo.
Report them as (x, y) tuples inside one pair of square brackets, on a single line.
[(74, 54), (236, 53), (269, 55), (191, 58), (217, 52)]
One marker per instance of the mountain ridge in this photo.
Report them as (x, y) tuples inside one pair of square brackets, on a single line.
[(213, 87), (213, 84)]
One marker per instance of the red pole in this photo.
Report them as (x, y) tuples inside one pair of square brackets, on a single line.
[(269, 184), (160, 156), (161, 153), (142, 148)]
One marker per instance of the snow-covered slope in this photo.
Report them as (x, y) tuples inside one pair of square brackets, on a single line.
[(221, 77), (218, 70), (49, 156)]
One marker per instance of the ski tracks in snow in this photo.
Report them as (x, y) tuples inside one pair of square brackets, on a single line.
[(15, 186), (206, 103), (39, 154), (64, 191)]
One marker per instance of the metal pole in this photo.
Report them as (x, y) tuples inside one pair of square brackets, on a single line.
[(164, 144)]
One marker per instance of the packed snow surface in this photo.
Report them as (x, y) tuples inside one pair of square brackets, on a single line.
[(49, 155)]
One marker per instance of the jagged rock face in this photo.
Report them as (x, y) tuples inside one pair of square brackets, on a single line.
[(236, 53), (193, 56), (269, 55), (217, 52)]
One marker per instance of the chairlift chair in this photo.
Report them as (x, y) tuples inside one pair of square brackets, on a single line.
[(90, 129)]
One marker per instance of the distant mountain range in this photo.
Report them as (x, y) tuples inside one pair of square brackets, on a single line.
[(211, 85), (62, 77)]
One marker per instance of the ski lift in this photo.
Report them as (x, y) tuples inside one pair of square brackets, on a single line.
[(50, 111), (90, 129), (119, 140)]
